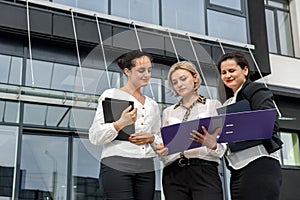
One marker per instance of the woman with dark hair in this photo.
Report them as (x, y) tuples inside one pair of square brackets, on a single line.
[(127, 167), (254, 165)]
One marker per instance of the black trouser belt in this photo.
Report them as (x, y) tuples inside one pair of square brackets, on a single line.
[(183, 161)]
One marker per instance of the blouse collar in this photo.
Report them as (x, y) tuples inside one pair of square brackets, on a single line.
[(200, 99)]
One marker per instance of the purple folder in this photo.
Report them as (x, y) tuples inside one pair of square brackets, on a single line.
[(235, 127)]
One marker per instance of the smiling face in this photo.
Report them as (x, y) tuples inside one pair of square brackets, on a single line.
[(183, 82), (232, 75), (140, 74)]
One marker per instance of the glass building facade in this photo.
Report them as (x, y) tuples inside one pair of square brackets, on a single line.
[(58, 56)]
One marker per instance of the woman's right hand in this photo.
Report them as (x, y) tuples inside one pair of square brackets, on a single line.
[(128, 117), (161, 150)]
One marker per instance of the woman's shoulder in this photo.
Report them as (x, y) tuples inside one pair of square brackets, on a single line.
[(169, 108), (252, 88), (110, 93), (213, 102), (151, 101)]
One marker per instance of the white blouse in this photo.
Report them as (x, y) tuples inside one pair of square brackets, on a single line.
[(148, 120), (172, 115), (240, 159)]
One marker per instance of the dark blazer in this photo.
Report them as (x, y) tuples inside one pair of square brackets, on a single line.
[(260, 98)]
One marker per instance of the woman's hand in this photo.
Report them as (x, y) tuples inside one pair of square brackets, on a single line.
[(128, 117), (206, 139), (161, 150), (141, 138)]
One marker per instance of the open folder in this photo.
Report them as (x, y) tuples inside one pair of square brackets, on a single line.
[(235, 127), (112, 110)]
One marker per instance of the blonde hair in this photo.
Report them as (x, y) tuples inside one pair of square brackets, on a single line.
[(188, 66)]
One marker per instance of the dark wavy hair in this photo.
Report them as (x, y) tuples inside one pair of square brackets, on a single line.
[(127, 60)]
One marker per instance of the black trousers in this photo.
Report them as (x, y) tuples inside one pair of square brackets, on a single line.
[(259, 180), (197, 181), (128, 181)]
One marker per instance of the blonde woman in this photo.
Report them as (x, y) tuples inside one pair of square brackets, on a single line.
[(198, 177)]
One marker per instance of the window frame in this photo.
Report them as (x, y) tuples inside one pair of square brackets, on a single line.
[(275, 11)]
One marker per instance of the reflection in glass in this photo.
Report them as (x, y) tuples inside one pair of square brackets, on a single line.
[(44, 167), (141, 10), (95, 80), (227, 26), (285, 35), (184, 16), (86, 167), (81, 119), (170, 97), (63, 77), (278, 4), (233, 4), (153, 89), (42, 73), (68, 77), (271, 31), (57, 116), (11, 111), (8, 135), (94, 5), (290, 150), (2, 104), (11, 69), (34, 114)]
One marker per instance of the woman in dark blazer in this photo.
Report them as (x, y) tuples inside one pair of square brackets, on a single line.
[(254, 165)]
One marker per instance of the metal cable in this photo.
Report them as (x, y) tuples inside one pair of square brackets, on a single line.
[(103, 53), (77, 50), (203, 77), (29, 43)]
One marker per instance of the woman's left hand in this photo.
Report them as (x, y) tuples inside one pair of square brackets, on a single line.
[(141, 138), (206, 139)]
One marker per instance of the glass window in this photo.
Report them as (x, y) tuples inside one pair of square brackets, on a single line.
[(11, 111), (141, 10), (35, 114), (57, 116), (42, 73), (2, 104), (68, 77), (184, 16), (285, 35), (227, 26), (81, 119), (8, 135), (279, 27), (233, 4), (63, 77), (170, 97), (290, 150), (278, 3), (44, 167), (11, 69), (153, 89), (86, 167), (271, 31), (95, 80), (94, 5)]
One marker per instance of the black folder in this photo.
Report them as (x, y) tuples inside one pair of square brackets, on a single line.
[(112, 110), (239, 106)]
